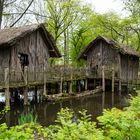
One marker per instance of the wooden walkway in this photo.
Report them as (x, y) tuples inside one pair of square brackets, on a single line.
[(57, 74), (18, 78)]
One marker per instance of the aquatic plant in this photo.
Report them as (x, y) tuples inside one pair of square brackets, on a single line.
[(4, 111), (27, 118)]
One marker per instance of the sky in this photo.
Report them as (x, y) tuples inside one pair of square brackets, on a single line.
[(103, 6)]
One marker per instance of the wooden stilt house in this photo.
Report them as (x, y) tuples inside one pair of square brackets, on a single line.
[(30, 46), (106, 52)]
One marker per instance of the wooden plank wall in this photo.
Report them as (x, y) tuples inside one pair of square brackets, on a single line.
[(35, 47), (93, 57), (129, 67), (4, 57)]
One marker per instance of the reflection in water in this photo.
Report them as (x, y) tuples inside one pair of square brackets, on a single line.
[(103, 100), (112, 99), (47, 112)]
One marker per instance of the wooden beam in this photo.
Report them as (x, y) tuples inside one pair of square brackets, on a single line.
[(7, 93), (45, 81), (61, 81), (120, 82), (103, 78), (26, 86), (113, 79), (70, 86), (86, 84)]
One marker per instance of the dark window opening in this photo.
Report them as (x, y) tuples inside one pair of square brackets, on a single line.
[(23, 59)]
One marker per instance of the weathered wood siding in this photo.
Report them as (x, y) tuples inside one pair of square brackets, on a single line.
[(4, 57), (34, 46), (125, 67), (102, 54), (129, 67), (110, 57), (93, 58)]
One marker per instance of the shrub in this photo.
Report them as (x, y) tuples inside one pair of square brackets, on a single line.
[(67, 128), (122, 125)]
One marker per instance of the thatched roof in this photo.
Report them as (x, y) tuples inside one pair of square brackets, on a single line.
[(10, 36), (115, 45)]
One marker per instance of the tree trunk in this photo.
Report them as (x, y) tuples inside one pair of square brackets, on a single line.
[(1, 11)]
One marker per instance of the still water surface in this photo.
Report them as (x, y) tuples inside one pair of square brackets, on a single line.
[(47, 111)]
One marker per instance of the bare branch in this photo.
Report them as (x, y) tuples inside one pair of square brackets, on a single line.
[(22, 13)]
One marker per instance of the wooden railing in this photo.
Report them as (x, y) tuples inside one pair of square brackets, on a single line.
[(51, 74), (40, 76)]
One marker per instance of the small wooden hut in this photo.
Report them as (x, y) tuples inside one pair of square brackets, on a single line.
[(106, 52), (30, 46)]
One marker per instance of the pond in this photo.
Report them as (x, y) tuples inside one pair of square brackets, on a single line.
[(47, 111)]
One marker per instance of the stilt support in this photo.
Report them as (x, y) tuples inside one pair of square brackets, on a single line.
[(103, 78), (113, 79), (26, 86), (86, 84), (7, 93), (44, 92)]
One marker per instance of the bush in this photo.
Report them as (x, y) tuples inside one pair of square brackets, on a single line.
[(67, 128), (122, 125)]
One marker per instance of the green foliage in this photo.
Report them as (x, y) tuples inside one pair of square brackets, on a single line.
[(27, 118), (115, 124), (120, 125), (135, 104), (4, 111), (70, 128), (23, 132)]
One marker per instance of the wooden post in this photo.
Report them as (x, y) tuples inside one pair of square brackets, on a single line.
[(113, 79), (45, 81), (120, 83), (7, 93), (70, 86), (86, 84), (103, 78), (26, 86), (127, 86), (35, 94), (103, 100), (112, 99), (79, 86), (61, 81), (86, 79)]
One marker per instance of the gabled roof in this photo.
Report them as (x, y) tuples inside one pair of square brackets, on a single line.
[(115, 45), (10, 36)]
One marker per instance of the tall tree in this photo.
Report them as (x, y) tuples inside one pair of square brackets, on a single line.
[(61, 15), (133, 21)]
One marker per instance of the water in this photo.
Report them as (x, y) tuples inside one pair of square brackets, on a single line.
[(47, 112)]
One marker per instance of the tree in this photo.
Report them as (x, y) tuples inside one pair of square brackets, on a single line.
[(3, 5), (18, 12), (133, 26), (61, 15)]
